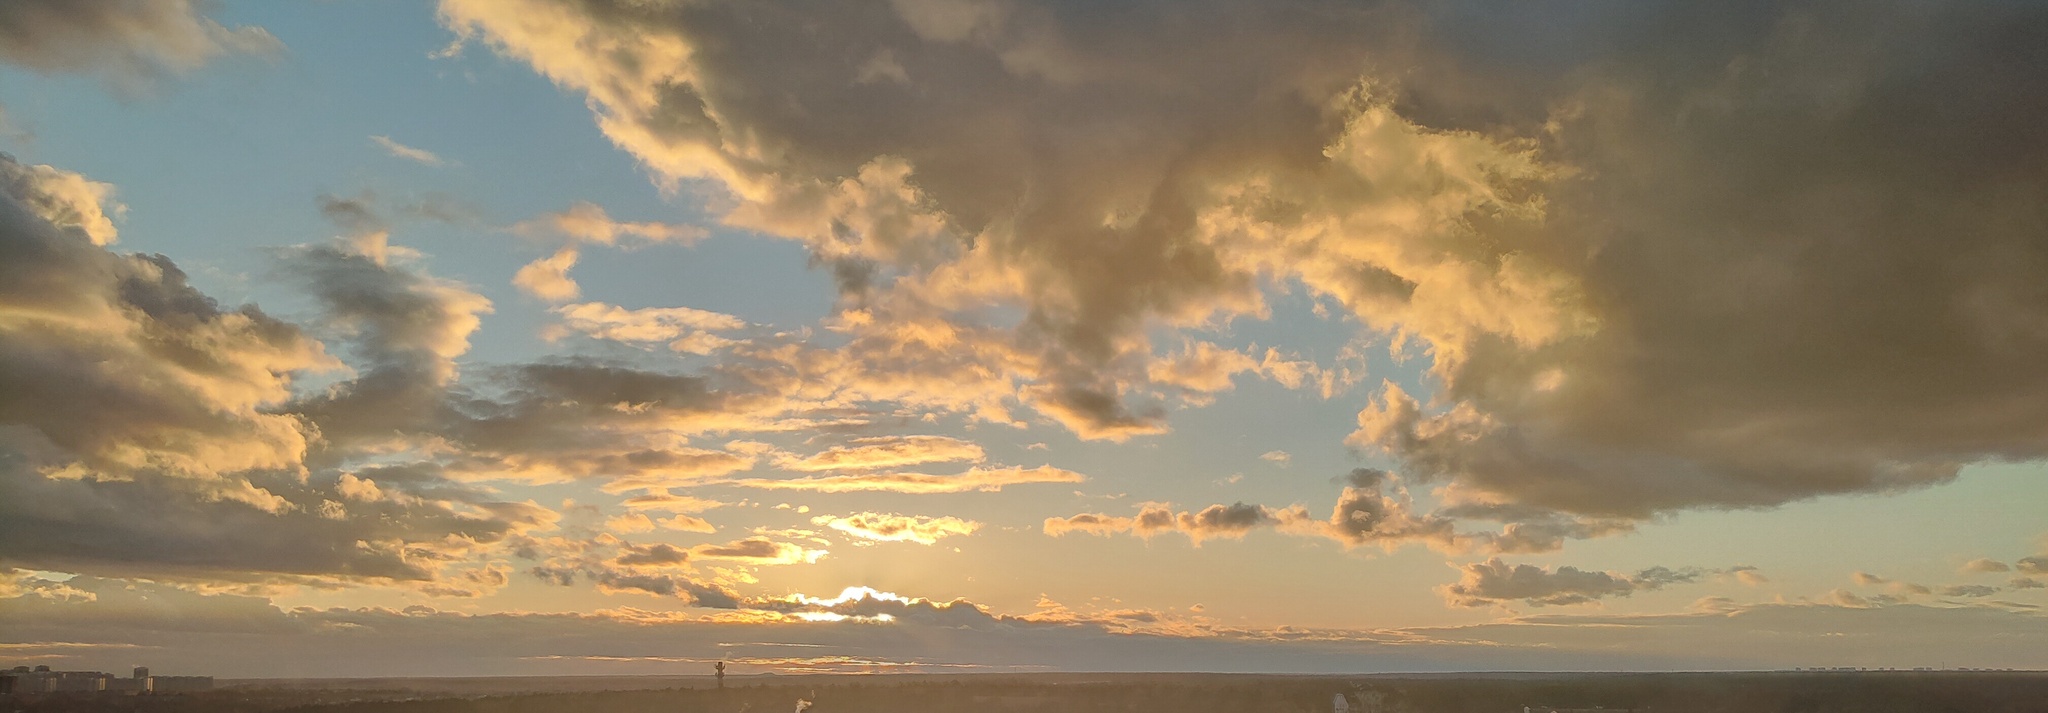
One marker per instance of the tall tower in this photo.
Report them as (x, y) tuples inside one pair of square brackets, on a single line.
[(719, 670)]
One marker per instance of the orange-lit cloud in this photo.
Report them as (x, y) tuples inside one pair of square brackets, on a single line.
[(881, 527), (1494, 582), (983, 479), (1227, 521), (886, 452), (584, 223), (683, 329), (758, 551)]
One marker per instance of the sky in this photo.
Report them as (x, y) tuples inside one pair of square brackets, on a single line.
[(510, 337)]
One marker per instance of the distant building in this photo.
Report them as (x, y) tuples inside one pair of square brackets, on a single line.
[(23, 680), (76, 682), (129, 686), (43, 680)]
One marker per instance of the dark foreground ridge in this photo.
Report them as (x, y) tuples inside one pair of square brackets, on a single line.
[(1764, 692)]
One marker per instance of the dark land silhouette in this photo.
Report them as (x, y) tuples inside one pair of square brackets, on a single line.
[(1762, 692)]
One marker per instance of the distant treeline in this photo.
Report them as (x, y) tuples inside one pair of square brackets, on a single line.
[(1873, 692)]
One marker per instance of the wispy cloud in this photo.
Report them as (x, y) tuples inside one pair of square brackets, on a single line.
[(416, 155), (884, 527), (988, 479)]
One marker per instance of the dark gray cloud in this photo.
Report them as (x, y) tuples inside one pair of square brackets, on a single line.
[(1231, 521), (165, 527), (127, 40), (405, 328), (1373, 510), (117, 362), (1663, 256), (658, 554), (1494, 582), (1969, 590), (1809, 237), (577, 555), (1985, 565), (2037, 564), (660, 584), (144, 428)]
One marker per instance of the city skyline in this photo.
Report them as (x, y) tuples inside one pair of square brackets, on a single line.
[(534, 337)]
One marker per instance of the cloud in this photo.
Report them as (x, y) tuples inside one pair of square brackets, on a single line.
[(685, 330), (548, 278), (580, 418), (911, 237), (655, 555), (616, 566), (1525, 529), (415, 155), (1281, 458), (973, 479), (405, 327), (1493, 583), (1202, 367), (688, 523), (1895, 591), (126, 41), (665, 501), (294, 533), (1968, 590), (2032, 565), (114, 362), (654, 468), (1232, 521), (1513, 205), (584, 223), (152, 432), (1370, 511), (246, 636), (758, 551), (630, 523), (886, 452), (612, 581), (1639, 413), (881, 527), (1983, 565), (869, 604)]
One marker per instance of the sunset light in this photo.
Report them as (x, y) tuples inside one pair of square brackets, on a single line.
[(384, 351)]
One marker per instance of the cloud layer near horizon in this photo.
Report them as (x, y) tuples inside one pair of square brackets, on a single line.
[(107, 623)]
